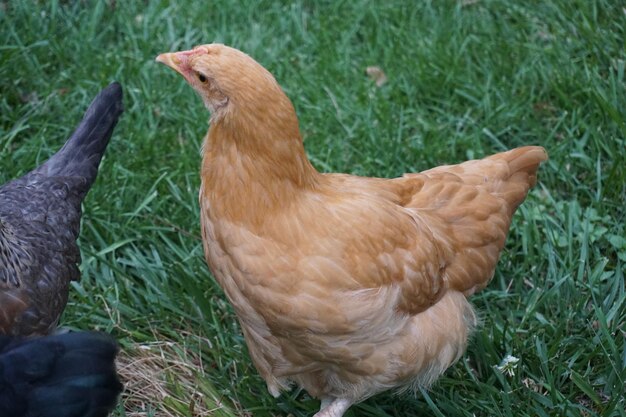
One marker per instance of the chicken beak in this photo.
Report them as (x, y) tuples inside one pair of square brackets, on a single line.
[(172, 60)]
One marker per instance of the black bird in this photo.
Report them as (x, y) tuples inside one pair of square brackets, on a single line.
[(40, 222), (66, 375)]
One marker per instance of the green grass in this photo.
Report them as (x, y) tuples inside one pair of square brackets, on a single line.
[(466, 79)]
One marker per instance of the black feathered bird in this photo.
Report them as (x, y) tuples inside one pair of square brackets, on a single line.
[(66, 375), (40, 222)]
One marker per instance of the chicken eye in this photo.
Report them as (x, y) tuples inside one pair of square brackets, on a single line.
[(202, 78)]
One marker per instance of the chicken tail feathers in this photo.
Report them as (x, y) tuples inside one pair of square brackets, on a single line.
[(68, 375), (523, 164), (83, 151), (469, 207)]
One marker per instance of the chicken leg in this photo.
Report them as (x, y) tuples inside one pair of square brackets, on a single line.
[(333, 407)]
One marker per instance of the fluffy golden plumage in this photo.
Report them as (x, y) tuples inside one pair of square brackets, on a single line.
[(345, 285)]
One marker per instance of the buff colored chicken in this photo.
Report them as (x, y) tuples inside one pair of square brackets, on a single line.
[(346, 286)]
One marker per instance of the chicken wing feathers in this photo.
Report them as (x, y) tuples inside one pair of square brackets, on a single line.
[(14, 302), (469, 208)]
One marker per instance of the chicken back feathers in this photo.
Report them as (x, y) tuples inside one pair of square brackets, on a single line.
[(67, 375), (344, 285), (40, 222)]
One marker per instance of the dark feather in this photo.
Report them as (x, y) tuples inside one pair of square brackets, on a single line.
[(81, 154), (68, 375)]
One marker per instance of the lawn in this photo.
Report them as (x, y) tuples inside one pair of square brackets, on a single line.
[(464, 79)]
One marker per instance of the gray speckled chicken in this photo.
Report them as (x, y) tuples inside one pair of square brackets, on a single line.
[(40, 222)]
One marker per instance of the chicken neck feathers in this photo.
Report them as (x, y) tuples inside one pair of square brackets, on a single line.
[(81, 154)]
